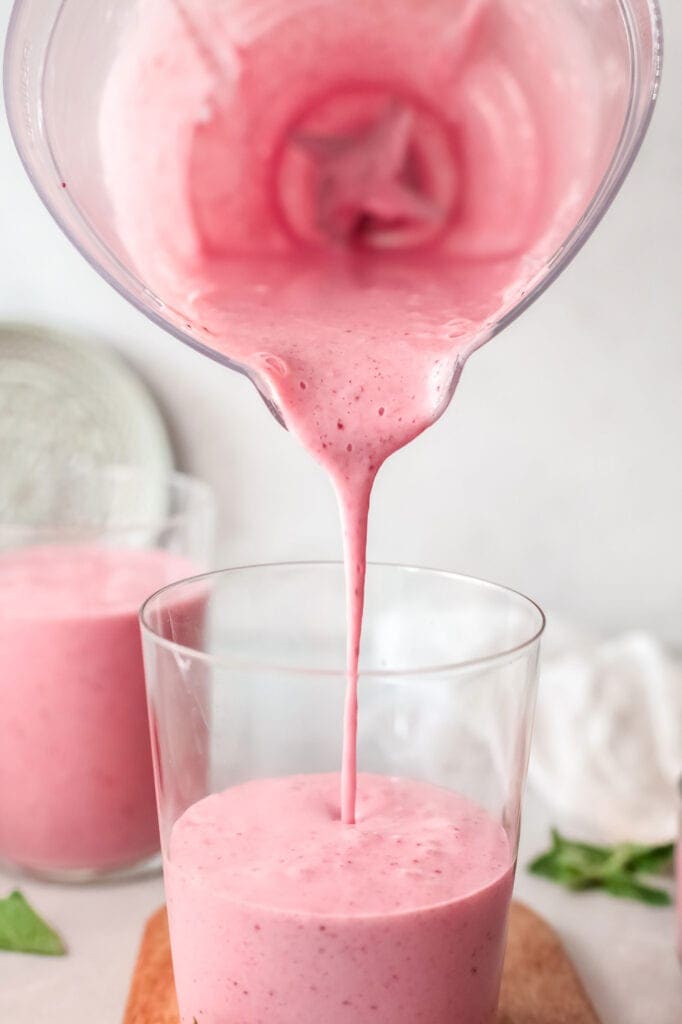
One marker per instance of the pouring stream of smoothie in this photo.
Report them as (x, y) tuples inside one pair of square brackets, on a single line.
[(354, 505)]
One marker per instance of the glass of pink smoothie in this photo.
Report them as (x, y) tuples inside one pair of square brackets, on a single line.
[(76, 782), (279, 912)]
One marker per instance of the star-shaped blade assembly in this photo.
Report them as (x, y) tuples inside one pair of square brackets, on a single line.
[(367, 186)]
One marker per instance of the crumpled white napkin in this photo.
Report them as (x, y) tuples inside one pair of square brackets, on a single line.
[(607, 749)]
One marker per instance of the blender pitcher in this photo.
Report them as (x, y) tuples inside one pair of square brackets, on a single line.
[(58, 60)]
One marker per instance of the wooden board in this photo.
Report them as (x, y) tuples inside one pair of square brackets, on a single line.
[(540, 985), (152, 993)]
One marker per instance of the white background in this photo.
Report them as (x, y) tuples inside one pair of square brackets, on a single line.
[(557, 469)]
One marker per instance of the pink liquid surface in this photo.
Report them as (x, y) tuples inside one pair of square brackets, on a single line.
[(281, 913), (345, 199), (76, 781)]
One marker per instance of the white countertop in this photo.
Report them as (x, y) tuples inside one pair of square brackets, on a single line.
[(624, 951)]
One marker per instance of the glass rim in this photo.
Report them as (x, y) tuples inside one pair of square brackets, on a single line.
[(200, 491), (429, 671)]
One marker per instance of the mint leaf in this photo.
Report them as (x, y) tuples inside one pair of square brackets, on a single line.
[(626, 887), (588, 854), (615, 869), (653, 860), (23, 931), (550, 866), (575, 865)]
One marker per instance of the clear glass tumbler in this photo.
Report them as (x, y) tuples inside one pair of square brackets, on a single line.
[(278, 912), (76, 782)]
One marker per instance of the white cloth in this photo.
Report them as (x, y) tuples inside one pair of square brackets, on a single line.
[(607, 751)]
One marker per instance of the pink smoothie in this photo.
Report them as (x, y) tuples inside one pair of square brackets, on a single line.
[(76, 783), (345, 198), (281, 913)]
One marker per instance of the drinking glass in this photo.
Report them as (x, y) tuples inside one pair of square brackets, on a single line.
[(245, 673), (76, 780)]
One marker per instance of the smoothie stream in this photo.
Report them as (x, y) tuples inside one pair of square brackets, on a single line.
[(76, 779), (345, 199)]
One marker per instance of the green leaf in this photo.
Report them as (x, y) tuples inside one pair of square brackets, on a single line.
[(614, 869), (575, 865), (589, 853), (653, 860), (626, 887), (549, 865), (23, 931)]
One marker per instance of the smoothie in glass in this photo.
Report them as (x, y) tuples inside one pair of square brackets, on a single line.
[(76, 779), (281, 913)]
